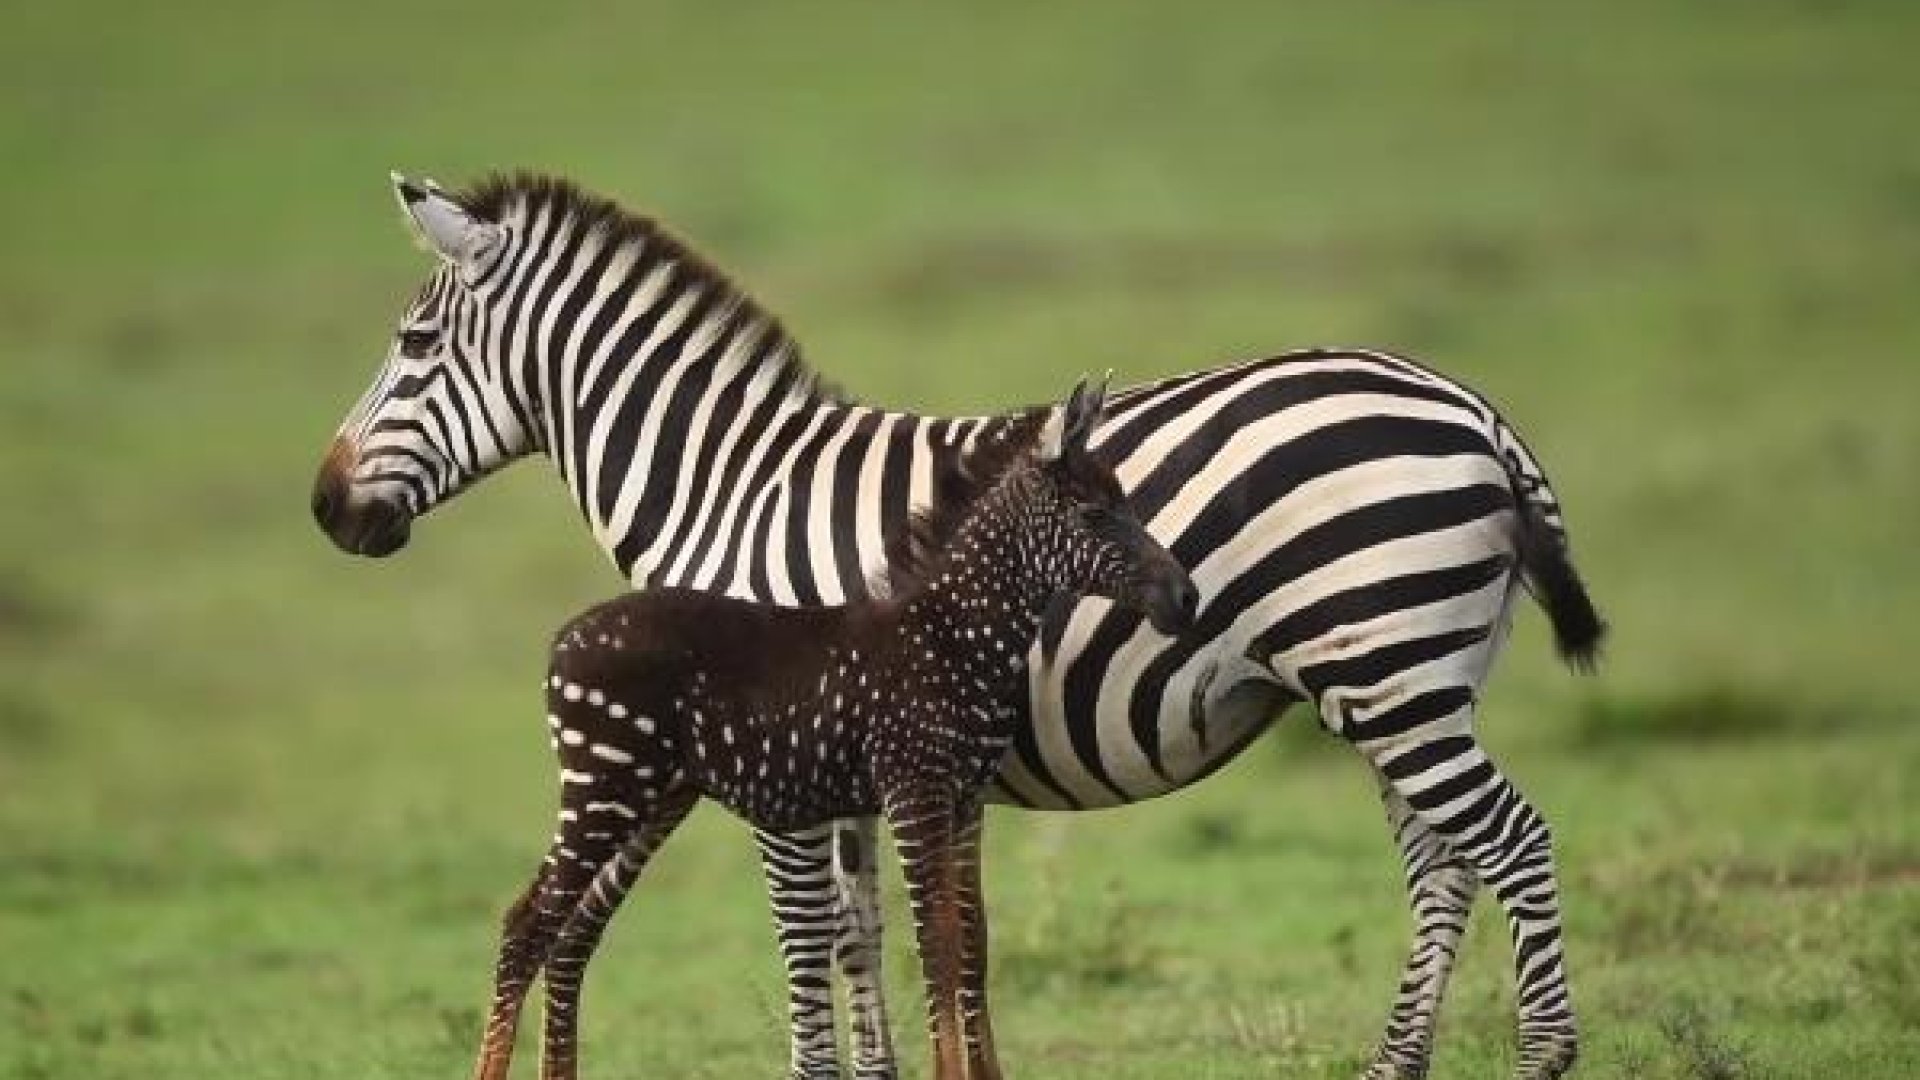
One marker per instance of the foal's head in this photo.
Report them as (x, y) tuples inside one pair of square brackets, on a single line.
[(1066, 519)]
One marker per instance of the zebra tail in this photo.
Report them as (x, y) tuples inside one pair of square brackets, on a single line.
[(1547, 568)]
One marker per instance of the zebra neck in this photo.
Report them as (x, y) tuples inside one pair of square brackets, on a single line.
[(747, 480), (852, 478), (759, 493), (702, 451), (638, 398)]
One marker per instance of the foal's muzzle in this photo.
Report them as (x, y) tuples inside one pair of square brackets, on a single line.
[(1171, 602), (1159, 585), (373, 527)]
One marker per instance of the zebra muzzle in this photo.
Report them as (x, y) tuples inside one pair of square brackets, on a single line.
[(373, 527)]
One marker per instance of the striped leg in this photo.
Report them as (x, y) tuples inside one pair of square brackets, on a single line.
[(924, 829), (581, 934), (977, 1019), (521, 928), (799, 869), (857, 947), (1440, 889), (1456, 790), (532, 924)]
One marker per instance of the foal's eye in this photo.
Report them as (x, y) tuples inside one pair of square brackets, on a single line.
[(416, 344), (1095, 516)]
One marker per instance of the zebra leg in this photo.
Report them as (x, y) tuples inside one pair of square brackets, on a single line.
[(1456, 790), (856, 949), (580, 936), (976, 1018), (923, 829), (1440, 890), (799, 869), (531, 925)]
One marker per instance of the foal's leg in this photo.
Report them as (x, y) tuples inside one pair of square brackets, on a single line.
[(1425, 748), (578, 939), (856, 950), (1440, 890), (799, 870), (530, 926), (975, 1017), (521, 930), (924, 830)]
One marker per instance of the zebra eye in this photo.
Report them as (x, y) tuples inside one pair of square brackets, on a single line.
[(416, 344)]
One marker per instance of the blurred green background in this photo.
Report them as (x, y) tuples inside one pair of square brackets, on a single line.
[(260, 803)]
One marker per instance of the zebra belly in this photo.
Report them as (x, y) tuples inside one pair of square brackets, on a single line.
[(1349, 509), (1325, 504), (1213, 706)]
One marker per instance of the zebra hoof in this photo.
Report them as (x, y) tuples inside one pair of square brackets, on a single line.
[(1547, 1060), (1385, 1067)]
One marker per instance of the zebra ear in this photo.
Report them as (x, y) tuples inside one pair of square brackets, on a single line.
[(446, 228), (1069, 425)]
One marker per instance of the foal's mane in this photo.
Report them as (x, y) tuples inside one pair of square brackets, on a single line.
[(499, 194), (916, 552)]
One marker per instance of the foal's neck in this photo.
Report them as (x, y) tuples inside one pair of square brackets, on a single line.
[(982, 607)]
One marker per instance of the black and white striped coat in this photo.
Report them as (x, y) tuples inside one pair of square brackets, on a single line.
[(1357, 526)]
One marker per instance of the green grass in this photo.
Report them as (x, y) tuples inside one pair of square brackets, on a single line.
[(260, 804)]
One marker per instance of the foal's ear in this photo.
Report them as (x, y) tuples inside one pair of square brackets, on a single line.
[(446, 228), (1069, 425)]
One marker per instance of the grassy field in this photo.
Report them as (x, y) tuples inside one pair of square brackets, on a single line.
[(259, 803)]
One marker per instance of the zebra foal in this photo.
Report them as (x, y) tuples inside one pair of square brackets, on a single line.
[(791, 717)]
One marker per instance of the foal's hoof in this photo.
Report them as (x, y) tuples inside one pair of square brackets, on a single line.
[(876, 1072)]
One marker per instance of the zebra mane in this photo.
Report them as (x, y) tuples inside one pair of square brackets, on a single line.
[(917, 551), (500, 194)]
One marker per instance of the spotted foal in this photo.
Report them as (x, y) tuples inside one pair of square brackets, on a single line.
[(791, 717)]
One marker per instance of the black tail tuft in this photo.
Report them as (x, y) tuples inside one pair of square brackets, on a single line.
[(1577, 627)]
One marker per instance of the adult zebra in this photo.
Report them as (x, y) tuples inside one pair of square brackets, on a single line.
[(1356, 523)]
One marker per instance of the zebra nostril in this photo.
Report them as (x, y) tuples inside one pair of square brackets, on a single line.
[(323, 506), (382, 529)]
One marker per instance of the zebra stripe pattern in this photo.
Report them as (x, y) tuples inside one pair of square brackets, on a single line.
[(1357, 524)]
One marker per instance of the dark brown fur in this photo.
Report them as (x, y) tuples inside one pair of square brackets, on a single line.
[(795, 716)]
